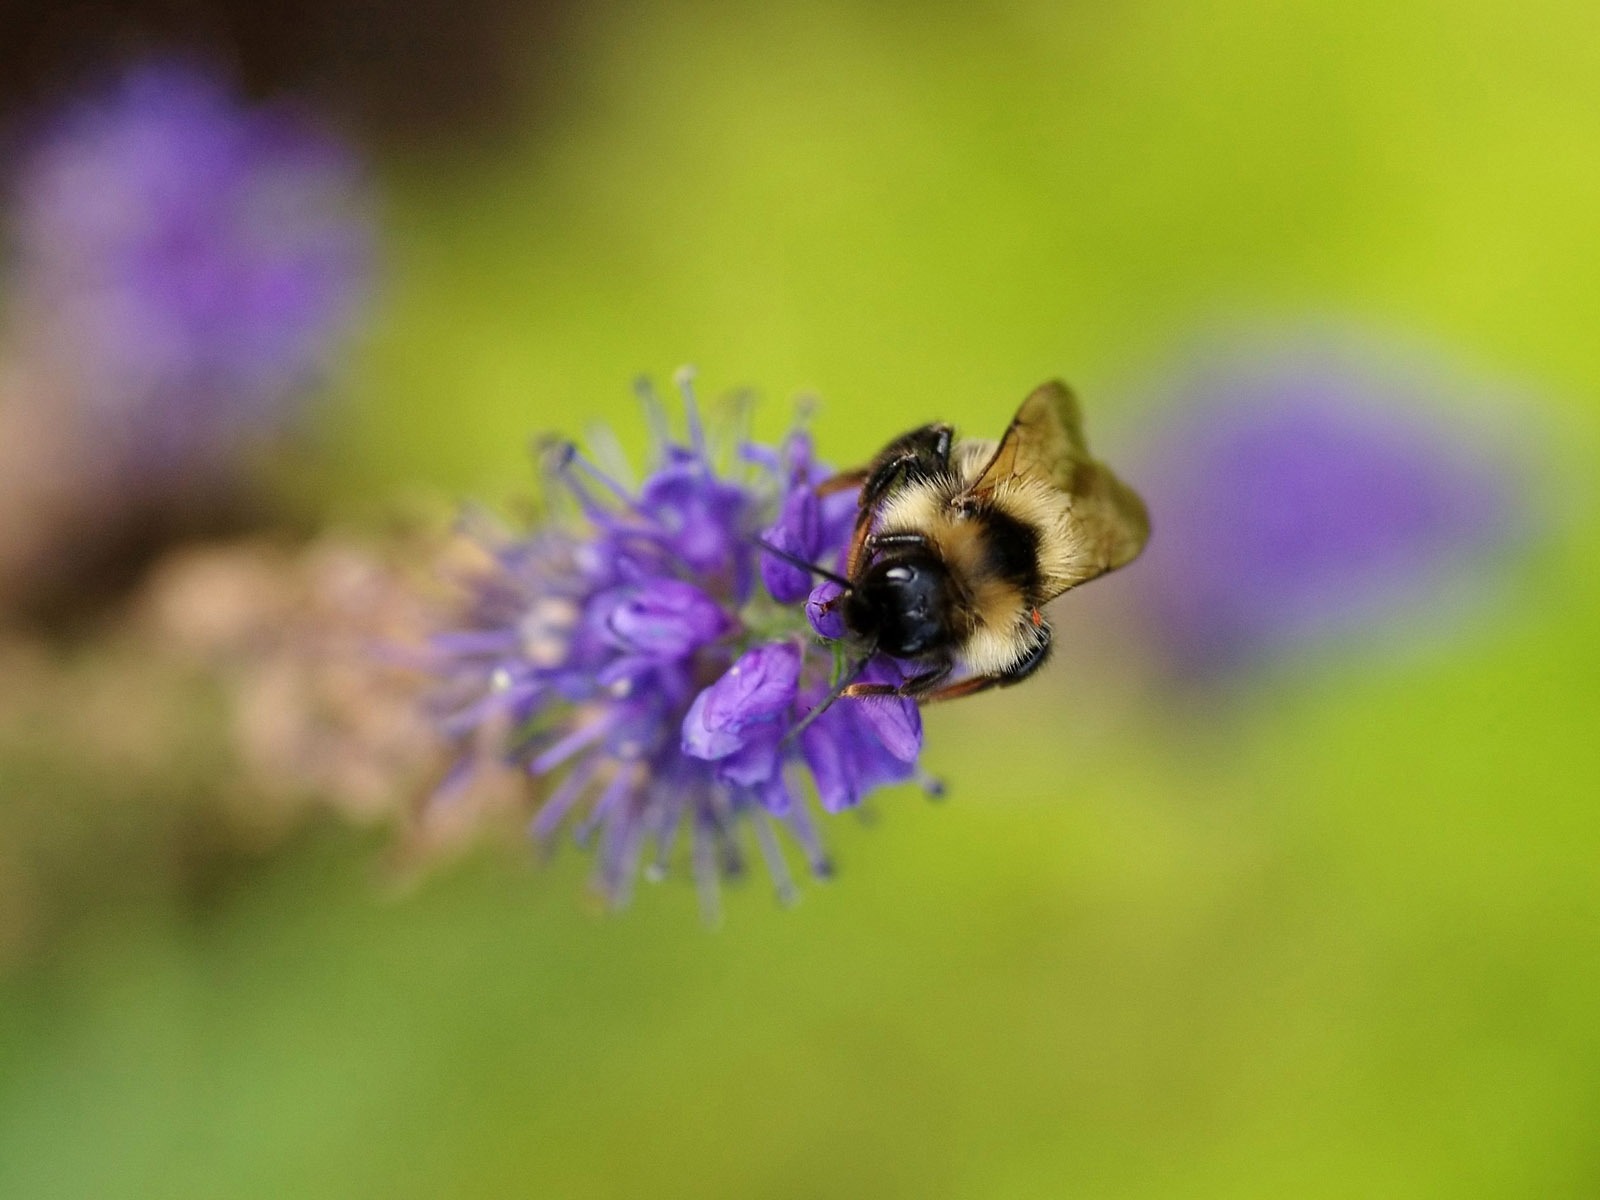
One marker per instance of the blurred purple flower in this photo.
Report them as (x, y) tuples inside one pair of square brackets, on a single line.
[(649, 683), (184, 266), (1302, 498)]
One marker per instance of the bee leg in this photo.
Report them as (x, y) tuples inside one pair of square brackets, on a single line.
[(872, 689), (844, 481), (912, 689), (920, 454), (924, 451), (881, 541), (917, 455), (1015, 673), (858, 541)]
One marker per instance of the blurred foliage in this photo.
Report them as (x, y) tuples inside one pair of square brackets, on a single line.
[(1338, 941)]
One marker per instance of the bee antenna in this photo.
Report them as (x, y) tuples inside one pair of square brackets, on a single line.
[(823, 705), (796, 561)]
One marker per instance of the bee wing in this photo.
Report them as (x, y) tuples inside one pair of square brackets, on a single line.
[(1093, 522)]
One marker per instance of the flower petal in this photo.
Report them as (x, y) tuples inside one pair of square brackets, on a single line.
[(827, 757), (823, 610), (896, 722), (753, 764), (666, 618), (758, 689), (797, 531)]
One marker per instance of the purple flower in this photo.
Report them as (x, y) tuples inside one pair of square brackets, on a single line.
[(184, 268), (1306, 497), (750, 701), (646, 681), (811, 527), (822, 610), (850, 752)]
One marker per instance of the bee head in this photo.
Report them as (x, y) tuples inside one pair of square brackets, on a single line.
[(904, 604)]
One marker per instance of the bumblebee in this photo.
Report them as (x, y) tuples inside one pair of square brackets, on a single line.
[(959, 544)]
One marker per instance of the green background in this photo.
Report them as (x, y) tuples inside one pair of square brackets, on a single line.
[(1340, 940)]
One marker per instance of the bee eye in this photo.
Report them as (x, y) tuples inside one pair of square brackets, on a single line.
[(898, 574)]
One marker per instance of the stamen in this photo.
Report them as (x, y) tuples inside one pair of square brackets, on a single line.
[(804, 829), (559, 459), (473, 715), (452, 785), (604, 480), (620, 843), (703, 864), (782, 881), (722, 823), (622, 783), (684, 378), (731, 429), (578, 739), (655, 415), (560, 802), (661, 826), (472, 644), (660, 542), (752, 454), (606, 450)]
